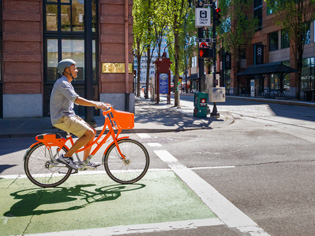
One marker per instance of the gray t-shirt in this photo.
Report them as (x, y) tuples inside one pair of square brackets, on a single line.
[(62, 100)]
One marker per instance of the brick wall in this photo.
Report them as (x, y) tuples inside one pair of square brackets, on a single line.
[(112, 43), (22, 47)]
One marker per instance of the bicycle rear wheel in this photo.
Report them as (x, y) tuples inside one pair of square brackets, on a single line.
[(41, 170), (133, 168)]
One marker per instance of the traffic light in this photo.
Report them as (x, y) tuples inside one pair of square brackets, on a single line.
[(204, 50), (217, 16)]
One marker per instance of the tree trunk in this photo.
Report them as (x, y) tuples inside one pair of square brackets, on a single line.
[(146, 92), (176, 89), (138, 75)]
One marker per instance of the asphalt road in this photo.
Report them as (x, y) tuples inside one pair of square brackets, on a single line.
[(263, 163)]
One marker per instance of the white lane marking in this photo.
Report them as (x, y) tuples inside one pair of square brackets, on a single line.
[(223, 208), (211, 167), (143, 135), (136, 229), (154, 144), (165, 156)]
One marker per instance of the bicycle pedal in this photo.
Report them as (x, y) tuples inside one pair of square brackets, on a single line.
[(74, 171), (89, 168)]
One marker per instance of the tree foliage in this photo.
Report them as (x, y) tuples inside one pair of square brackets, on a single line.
[(237, 28), (139, 26), (157, 19)]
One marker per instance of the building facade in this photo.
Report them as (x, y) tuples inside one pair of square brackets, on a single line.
[(270, 44), (36, 34)]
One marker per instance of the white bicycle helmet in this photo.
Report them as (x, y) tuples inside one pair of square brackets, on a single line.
[(63, 64)]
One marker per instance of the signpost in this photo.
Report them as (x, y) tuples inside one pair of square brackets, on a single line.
[(202, 17)]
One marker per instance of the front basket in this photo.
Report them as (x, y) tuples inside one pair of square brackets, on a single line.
[(124, 120)]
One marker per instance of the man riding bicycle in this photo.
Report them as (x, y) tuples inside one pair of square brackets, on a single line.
[(63, 117)]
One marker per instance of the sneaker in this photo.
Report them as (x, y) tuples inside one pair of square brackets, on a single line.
[(93, 164), (68, 161)]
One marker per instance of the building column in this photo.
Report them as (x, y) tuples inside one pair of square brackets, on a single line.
[(22, 58), (112, 50)]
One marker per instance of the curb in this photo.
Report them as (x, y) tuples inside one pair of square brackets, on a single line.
[(274, 101)]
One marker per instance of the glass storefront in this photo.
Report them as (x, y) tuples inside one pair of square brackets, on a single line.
[(64, 38), (308, 74), (275, 80)]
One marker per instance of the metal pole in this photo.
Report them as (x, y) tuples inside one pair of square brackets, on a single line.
[(201, 65), (214, 34), (88, 61)]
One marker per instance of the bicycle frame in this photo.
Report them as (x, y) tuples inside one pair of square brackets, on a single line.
[(56, 140)]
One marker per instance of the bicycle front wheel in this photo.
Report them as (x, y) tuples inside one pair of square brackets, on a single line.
[(133, 167), (42, 170)]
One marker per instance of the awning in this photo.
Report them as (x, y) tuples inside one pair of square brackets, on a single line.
[(193, 77), (268, 68)]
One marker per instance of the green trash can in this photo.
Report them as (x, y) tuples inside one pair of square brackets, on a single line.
[(200, 104)]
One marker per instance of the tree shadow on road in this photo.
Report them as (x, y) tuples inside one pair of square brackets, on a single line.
[(169, 117), (35, 197)]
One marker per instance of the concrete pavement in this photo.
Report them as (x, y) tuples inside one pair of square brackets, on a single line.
[(149, 117)]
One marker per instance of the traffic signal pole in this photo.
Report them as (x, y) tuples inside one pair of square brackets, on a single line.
[(214, 112), (201, 66)]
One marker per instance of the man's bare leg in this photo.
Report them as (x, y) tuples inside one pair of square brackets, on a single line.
[(84, 140)]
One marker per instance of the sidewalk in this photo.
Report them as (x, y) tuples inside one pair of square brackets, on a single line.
[(149, 118)]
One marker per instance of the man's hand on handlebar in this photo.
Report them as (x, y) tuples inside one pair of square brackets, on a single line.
[(103, 106)]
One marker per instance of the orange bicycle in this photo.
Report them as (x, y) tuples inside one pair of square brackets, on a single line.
[(125, 160)]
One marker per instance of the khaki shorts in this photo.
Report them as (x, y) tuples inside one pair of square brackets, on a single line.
[(73, 124)]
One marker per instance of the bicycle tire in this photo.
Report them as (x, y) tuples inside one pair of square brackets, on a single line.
[(134, 169), (37, 167)]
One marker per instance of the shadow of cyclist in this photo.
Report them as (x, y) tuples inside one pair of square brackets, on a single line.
[(35, 197)]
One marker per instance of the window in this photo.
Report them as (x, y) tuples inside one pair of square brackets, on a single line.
[(64, 35), (258, 13), (194, 62), (273, 41), (308, 37), (269, 11), (308, 74), (285, 41), (67, 15)]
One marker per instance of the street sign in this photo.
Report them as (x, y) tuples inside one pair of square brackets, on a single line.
[(206, 40), (202, 17)]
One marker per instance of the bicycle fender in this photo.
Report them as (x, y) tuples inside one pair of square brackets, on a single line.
[(33, 145), (30, 147)]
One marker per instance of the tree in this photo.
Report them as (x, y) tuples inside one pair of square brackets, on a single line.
[(187, 45), (159, 22), (237, 30), (138, 12), (295, 17), (177, 11)]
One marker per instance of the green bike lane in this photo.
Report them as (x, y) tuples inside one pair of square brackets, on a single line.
[(91, 201)]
